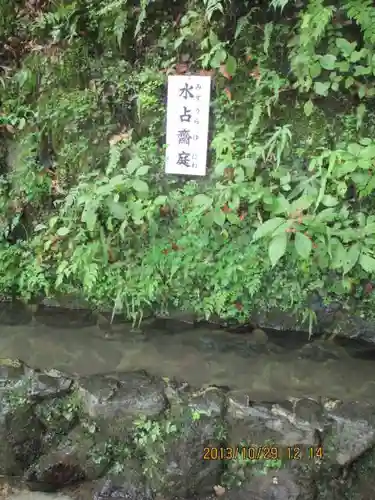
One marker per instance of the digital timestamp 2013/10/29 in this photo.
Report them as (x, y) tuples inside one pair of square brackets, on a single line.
[(263, 453)]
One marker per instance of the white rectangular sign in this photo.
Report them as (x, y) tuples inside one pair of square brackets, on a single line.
[(188, 110)]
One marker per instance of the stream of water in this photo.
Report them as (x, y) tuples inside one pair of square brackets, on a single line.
[(270, 365)]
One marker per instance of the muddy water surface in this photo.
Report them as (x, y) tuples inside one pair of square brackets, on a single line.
[(268, 366)]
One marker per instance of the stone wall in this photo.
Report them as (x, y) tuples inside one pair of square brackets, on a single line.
[(136, 437)]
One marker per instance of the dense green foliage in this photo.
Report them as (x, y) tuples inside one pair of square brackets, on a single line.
[(287, 207)]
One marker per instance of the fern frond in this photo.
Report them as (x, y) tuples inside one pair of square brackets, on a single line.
[(314, 22), (363, 13)]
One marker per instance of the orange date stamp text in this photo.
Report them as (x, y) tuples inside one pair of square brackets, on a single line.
[(267, 452)]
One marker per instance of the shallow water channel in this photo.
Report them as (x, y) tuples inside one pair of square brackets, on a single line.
[(267, 365), (270, 365)]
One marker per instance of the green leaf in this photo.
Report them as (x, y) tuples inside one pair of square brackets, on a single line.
[(362, 91), (349, 82), (303, 245), (321, 88), (343, 66), (338, 254), (63, 231), (133, 164), (202, 200), (267, 227), (160, 200), (143, 170), (140, 186), (218, 58), (345, 46), (118, 210), (21, 123), (241, 23), (308, 108), (219, 217), (277, 248), (357, 55), (231, 65), (239, 175), (329, 201), (315, 70), (328, 61), (351, 258), (302, 203), (89, 217), (367, 263)]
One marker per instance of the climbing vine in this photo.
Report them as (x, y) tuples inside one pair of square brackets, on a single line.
[(287, 207)]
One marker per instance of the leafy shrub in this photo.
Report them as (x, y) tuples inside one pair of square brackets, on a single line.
[(287, 206)]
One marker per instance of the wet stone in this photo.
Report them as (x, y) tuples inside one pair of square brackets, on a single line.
[(80, 456), (129, 485), (210, 402), (125, 395), (178, 466), (351, 432), (310, 413), (285, 484), (21, 435), (15, 376)]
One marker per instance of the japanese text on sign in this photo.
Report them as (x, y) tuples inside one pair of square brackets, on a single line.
[(187, 124)]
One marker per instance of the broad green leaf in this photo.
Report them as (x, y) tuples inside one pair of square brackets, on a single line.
[(140, 186), (367, 263), (328, 214), (233, 218), (118, 210), (277, 248), (303, 245), (328, 61), (355, 149), (315, 70), (202, 200), (218, 58), (117, 180), (283, 227), (349, 82), (351, 258), (343, 66), (362, 91), (329, 201), (208, 219), (338, 254), (308, 107), (160, 200), (231, 65), (302, 203), (219, 217), (321, 88), (281, 205), (133, 164), (89, 217), (267, 227), (143, 170), (239, 175), (357, 55), (63, 231), (345, 46)]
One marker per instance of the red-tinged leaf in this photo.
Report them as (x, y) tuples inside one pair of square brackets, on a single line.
[(224, 72), (228, 93)]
